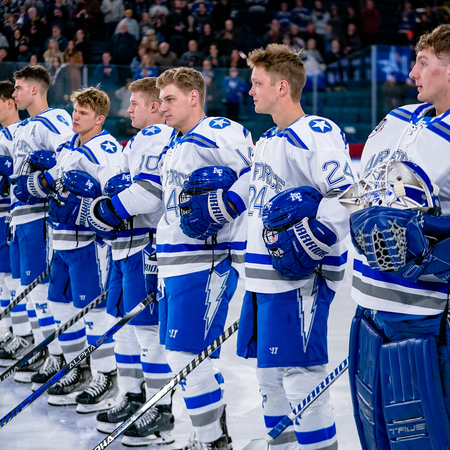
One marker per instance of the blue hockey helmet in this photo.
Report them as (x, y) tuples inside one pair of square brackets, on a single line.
[(39, 160), (117, 184), (80, 183), (394, 184)]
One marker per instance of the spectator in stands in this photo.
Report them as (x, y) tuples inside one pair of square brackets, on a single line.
[(335, 20), (212, 97), (34, 29), (205, 38), (370, 21), (176, 27), (7, 7), (158, 10), (82, 45), (14, 44), (150, 41), (52, 51), (425, 23), (73, 59), (300, 15), (195, 6), (273, 35), (237, 59), (310, 33), (57, 14), (141, 6), (191, 31), (213, 56), (123, 94), (145, 24), (34, 60), (123, 45), (113, 11), (221, 12), (335, 53), (350, 17), (59, 90), (233, 87), (351, 40), (286, 40), (132, 25), (202, 16), (6, 67), (81, 17), (146, 68), (9, 25), (191, 58), (3, 41), (320, 17), (295, 36), (284, 16), (24, 54), (312, 57), (393, 94), (56, 34), (406, 20), (228, 38), (136, 62), (207, 69), (165, 58), (106, 74), (328, 37), (3, 56)]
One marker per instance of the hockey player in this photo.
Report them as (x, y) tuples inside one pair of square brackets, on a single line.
[(43, 131), (9, 120), (295, 165), (196, 251), (137, 202), (399, 341)]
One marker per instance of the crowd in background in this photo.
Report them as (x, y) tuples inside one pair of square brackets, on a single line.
[(137, 37)]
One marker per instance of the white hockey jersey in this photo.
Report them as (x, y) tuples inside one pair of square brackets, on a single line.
[(311, 152), (143, 199), (407, 133), (214, 141), (99, 157), (6, 149), (46, 131)]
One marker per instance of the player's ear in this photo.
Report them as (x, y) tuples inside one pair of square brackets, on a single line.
[(283, 87), (155, 107), (100, 119), (194, 97)]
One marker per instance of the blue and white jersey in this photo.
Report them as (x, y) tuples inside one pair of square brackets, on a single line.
[(46, 131), (214, 141), (6, 149), (407, 133), (100, 157), (313, 152), (143, 199)]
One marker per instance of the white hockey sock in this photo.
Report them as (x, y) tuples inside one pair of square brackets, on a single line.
[(275, 406), (97, 323), (73, 340), (127, 353), (4, 299), (19, 317), (154, 361), (202, 395)]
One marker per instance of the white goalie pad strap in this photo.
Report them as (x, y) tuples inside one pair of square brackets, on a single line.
[(83, 212), (217, 209), (34, 185), (94, 221), (313, 247)]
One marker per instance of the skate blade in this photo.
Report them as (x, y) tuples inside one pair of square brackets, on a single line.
[(107, 427), (23, 377), (102, 405), (159, 438), (36, 386), (7, 362), (63, 400)]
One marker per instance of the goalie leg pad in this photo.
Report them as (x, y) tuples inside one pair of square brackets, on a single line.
[(364, 375), (413, 401)]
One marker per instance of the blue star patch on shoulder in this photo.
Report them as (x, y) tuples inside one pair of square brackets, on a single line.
[(109, 147), (320, 125), (151, 130), (62, 120), (219, 123)]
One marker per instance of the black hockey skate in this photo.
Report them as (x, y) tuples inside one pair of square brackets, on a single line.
[(31, 367), (15, 349), (65, 391), (52, 365)]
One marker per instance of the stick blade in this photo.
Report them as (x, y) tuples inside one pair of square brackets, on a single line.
[(257, 444)]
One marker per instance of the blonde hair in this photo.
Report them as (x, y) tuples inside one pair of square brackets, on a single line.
[(186, 79), (281, 63), (438, 40), (93, 98), (147, 87)]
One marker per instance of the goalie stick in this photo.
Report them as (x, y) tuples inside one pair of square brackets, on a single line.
[(169, 386), (15, 367), (78, 359), (263, 443), (20, 297)]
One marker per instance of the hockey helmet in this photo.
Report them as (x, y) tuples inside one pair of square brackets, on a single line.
[(39, 160), (79, 183)]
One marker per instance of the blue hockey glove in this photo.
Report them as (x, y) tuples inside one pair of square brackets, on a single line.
[(6, 165), (391, 239), (206, 214), (30, 189), (117, 184), (80, 183), (104, 219), (297, 251), (69, 208)]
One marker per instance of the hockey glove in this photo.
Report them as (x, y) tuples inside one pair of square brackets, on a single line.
[(6, 165), (297, 251), (204, 215), (391, 239), (69, 208), (104, 219), (38, 161), (30, 189), (117, 184)]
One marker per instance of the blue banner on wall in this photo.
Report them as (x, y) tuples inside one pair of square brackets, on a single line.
[(393, 60)]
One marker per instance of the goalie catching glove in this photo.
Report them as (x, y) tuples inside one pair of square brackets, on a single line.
[(204, 204), (295, 240)]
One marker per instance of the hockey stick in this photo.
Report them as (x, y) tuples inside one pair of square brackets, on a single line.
[(169, 386), (29, 288), (15, 367), (263, 443), (78, 359)]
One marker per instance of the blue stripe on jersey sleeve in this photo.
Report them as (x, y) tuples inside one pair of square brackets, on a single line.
[(200, 140), (46, 123), (237, 201), (401, 114), (245, 170), (118, 206), (441, 129), (256, 258), (7, 133), (145, 176), (292, 138), (88, 153)]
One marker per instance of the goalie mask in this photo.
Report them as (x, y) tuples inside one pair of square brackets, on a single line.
[(394, 184), (79, 183), (285, 210), (202, 181)]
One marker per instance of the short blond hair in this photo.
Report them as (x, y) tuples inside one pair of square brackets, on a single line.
[(438, 40), (281, 63), (186, 79), (147, 87), (93, 98)]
